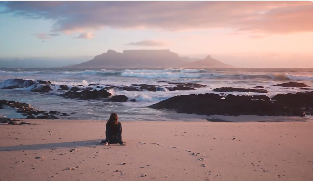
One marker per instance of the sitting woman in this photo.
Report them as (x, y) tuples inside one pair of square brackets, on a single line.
[(113, 131)]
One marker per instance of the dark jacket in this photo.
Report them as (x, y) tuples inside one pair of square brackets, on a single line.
[(114, 133)]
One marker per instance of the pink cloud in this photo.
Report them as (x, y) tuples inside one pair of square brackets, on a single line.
[(264, 17), (147, 43), (46, 35), (87, 35)]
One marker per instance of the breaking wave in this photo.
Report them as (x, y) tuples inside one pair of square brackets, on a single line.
[(102, 72), (273, 76), (165, 73)]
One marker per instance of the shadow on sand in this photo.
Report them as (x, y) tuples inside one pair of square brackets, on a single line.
[(75, 144)]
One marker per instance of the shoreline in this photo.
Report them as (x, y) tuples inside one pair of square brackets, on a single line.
[(160, 150), (172, 116)]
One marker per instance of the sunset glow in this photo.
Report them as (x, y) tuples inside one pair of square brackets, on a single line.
[(195, 29)]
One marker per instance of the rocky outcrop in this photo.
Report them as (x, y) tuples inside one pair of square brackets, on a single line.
[(87, 94), (12, 121), (63, 87), (74, 89), (232, 89), (42, 88), (16, 83), (29, 112), (209, 104), (40, 85), (300, 99), (154, 88), (43, 82), (4, 120), (184, 86), (119, 98), (292, 84)]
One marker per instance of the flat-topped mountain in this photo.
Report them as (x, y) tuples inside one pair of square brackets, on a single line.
[(134, 59), (146, 59), (208, 62)]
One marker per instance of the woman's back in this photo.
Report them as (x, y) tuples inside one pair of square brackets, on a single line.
[(113, 130)]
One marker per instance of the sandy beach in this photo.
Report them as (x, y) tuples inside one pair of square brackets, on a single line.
[(70, 150)]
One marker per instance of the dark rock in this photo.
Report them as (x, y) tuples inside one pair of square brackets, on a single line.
[(28, 83), (93, 84), (132, 100), (17, 83), (87, 94), (210, 104), (64, 114), (13, 122), (231, 89), (104, 93), (11, 87), (41, 88), (71, 94), (292, 84), (4, 120), (63, 87), (153, 88), (300, 99), (89, 88), (119, 98), (43, 82), (54, 112), (2, 103), (23, 123), (184, 86), (259, 87), (42, 117), (133, 87), (217, 120), (75, 89), (28, 111), (47, 117), (304, 88), (129, 88), (30, 117)]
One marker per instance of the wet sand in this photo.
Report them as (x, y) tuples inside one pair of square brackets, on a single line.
[(70, 150)]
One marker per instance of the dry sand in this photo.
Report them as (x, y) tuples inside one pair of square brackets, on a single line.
[(70, 150)]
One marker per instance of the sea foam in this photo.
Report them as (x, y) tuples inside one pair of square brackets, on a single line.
[(166, 73)]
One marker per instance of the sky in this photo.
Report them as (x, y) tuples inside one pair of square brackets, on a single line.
[(244, 34)]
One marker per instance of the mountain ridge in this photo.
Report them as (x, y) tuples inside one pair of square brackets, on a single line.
[(147, 59), (207, 62)]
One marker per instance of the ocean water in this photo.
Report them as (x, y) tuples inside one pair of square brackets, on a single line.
[(137, 111)]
